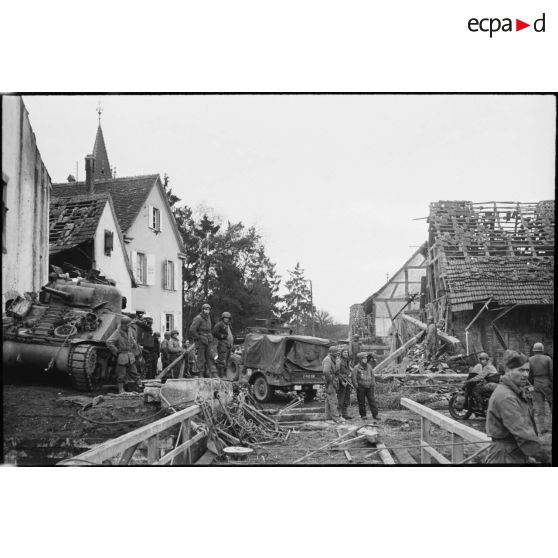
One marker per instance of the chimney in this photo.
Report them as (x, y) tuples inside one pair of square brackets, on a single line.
[(90, 174)]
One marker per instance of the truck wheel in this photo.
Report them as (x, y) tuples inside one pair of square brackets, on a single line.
[(263, 392), (232, 372)]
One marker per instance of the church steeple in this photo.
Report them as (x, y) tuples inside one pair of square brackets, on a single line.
[(102, 165)]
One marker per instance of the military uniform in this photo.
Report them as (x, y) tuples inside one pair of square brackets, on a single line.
[(364, 382), (330, 368), (510, 424), (225, 340), (200, 331), (344, 393), (124, 346), (174, 350), (540, 376)]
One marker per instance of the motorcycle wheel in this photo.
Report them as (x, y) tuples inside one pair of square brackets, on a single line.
[(456, 408)]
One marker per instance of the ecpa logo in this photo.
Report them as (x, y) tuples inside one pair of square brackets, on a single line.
[(493, 25)]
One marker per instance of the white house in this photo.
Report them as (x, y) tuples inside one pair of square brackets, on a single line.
[(152, 238), (26, 188)]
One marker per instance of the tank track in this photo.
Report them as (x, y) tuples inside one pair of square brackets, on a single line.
[(81, 365)]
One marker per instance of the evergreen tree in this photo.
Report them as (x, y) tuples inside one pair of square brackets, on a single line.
[(298, 306)]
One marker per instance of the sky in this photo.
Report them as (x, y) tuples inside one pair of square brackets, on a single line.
[(338, 183)]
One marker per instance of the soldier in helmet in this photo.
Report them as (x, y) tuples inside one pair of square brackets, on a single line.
[(540, 376), (200, 331), (431, 340), (330, 367), (487, 377), (124, 346), (225, 341), (354, 349)]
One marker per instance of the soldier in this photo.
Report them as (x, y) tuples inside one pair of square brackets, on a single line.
[(200, 331), (509, 419), (354, 349), (486, 378), (165, 349), (123, 345), (147, 342), (540, 376), (363, 380), (225, 340), (431, 340), (156, 348), (330, 368), (344, 393), (174, 350)]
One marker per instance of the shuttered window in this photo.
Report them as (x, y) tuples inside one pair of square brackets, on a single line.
[(141, 269), (109, 242), (154, 218), (168, 275)]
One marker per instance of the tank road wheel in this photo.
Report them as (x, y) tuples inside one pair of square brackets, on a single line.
[(82, 362), (263, 392)]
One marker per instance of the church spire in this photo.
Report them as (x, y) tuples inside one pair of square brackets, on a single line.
[(102, 165)]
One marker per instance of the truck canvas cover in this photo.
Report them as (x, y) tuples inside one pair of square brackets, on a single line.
[(277, 352)]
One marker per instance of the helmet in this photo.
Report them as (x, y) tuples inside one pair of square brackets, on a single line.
[(226, 315), (360, 356), (148, 319), (206, 306), (538, 348), (483, 355), (355, 336), (175, 332), (333, 350), (125, 320)]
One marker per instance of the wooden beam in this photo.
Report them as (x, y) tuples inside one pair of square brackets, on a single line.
[(425, 457), (153, 449), (385, 456), (403, 456), (403, 349), (466, 432), (457, 450), (441, 334), (180, 449), (431, 452), (111, 448)]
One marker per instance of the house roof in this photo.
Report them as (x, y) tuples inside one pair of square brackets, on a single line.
[(128, 194), (498, 250), (73, 221)]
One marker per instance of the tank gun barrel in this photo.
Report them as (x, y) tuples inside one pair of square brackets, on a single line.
[(56, 292)]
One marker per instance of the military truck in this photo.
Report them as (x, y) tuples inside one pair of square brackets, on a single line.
[(280, 362)]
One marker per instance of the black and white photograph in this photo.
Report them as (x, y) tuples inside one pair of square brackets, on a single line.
[(253, 280)]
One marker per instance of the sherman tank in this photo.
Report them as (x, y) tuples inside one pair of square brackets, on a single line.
[(65, 328)]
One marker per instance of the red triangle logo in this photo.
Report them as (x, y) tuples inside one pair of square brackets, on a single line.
[(519, 25)]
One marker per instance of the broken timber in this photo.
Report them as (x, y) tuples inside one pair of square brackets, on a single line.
[(402, 350), (441, 334)]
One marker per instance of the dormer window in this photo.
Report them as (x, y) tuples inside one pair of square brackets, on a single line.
[(154, 218)]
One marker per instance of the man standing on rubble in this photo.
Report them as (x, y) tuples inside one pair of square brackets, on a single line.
[(225, 340), (124, 346), (165, 349), (509, 419), (200, 331), (431, 340), (354, 349), (540, 377), (364, 382), (331, 369)]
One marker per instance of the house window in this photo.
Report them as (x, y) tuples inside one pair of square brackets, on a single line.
[(168, 275), (4, 215), (154, 218), (169, 322), (141, 270), (109, 242)]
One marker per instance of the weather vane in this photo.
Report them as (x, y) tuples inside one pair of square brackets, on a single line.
[(99, 111)]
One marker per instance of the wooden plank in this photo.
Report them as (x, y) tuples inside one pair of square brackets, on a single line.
[(441, 334), (423, 376), (153, 449), (466, 432), (391, 357), (385, 456), (110, 448), (404, 457), (180, 449), (457, 455), (206, 459), (431, 452), (127, 455), (425, 439)]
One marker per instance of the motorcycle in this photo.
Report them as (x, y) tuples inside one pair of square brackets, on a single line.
[(466, 401)]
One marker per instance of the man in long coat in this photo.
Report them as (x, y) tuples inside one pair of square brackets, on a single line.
[(124, 346), (200, 331)]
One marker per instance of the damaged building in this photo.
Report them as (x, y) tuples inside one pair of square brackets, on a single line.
[(490, 274)]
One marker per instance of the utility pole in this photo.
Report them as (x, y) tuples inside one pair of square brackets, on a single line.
[(312, 306)]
